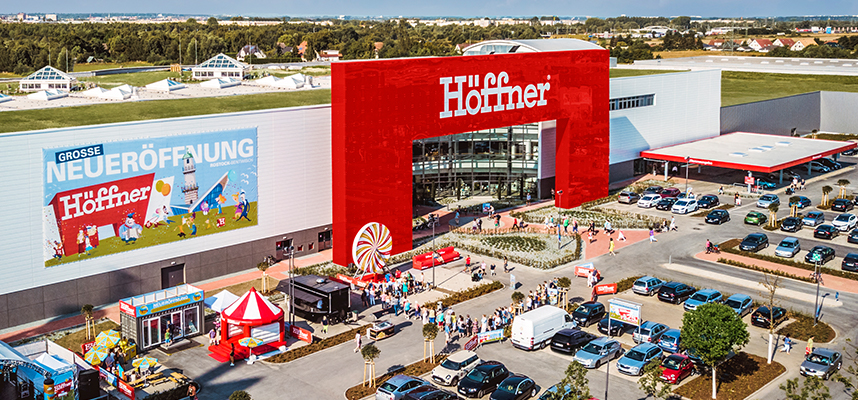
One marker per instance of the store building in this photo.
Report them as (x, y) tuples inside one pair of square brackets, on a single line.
[(149, 317), (47, 78), (220, 66)]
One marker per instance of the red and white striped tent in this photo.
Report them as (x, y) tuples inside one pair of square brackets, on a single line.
[(254, 316)]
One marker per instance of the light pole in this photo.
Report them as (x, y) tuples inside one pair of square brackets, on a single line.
[(433, 254), (559, 239), (817, 258), (607, 368), (291, 286), (687, 159)]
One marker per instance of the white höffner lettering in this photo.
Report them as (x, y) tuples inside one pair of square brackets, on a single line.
[(489, 95)]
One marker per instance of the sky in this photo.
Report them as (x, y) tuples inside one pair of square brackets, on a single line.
[(469, 8)]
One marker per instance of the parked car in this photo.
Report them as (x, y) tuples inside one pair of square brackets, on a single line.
[(766, 183), (515, 387), (853, 236), (676, 367), (675, 292), (670, 192), (617, 327), (821, 363), (708, 201), (633, 362), (788, 247), (768, 199), (628, 197), (649, 200), (702, 297), (535, 328), (669, 341), (653, 190), (598, 352), (756, 218), (570, 340), (813, 218), (549, 393), (740, 303), (646, 286), (762, 316), (830, 163), (717, 217), (842, 205), (684, 206), (825, 232), (850, 152), (483, 379), (649, 332), (826, 254), (845, 222), (791, 224), (430, 393), (455, 367), (666, 203), (817, 166), (801, 203), (396, 387), (754, 242), (850, 262), (588, 313)]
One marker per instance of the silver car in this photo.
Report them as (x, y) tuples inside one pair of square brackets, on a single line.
[(788, 248), (633, 362), (821, 363), (599, 352), (767, 200), (649, 331), (647, 285)]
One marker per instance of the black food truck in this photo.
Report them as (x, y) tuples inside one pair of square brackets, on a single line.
[(315, 296)]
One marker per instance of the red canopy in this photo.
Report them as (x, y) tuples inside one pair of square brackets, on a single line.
[(252, 309)]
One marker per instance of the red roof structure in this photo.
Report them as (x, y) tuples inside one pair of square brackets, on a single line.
[(252, 309)]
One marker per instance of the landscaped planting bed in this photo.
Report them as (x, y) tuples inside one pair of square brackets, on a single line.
[(317, 345), (416, 369), (730, 247), (801, 328), (738, 378), (515, 243), (519, 248)]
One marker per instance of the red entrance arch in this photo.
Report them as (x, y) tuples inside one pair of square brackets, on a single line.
[(379, 107)]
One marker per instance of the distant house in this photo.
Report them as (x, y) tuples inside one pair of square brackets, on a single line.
[(378, 47), (800, 44), (329, 55), (249, 50), (716, 43), (45, 79), (759, 44), (283, 49), (784, 42), (460, 48), (302, 48), (220, 66)]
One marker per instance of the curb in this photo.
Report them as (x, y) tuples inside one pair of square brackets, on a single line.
[(771, 382)]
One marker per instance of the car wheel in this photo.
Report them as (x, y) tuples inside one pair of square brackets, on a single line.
[(533, 392), (455, 381), (480, 394)]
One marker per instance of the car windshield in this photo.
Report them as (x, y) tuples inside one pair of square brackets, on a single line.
[(818, 359), (733, 303), (768, 197), (671, 363), (583, 310), (508, 386), (843, 218), (637, 283), (682, 203), (813, 214), (635, 355), (644, 331), (389, 387), (698, 297), (668, 338), (788, 244), (452, 365), (477, 375), (592, 348)]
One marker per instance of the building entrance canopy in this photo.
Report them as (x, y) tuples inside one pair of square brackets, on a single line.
[(750, 151)]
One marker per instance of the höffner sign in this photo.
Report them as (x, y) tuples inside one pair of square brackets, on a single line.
[(489, 94)]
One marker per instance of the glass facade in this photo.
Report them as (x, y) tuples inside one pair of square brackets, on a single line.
[(500, 162)]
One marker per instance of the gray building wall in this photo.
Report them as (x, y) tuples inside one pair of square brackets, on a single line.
[(838, 112), (777, 116)]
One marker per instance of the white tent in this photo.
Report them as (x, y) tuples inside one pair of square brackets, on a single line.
[(94, 92), (46, 95), (166, 85), (4, 98), (269, 80), (118, 93), (290, 82), (220, 83), (298, 80), (52, 362), (220, 301)]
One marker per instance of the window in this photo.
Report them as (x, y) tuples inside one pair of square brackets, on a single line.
[(632, 102), (310, 246), (300, 247)]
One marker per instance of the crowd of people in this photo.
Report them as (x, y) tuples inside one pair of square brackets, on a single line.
[(393, 291)]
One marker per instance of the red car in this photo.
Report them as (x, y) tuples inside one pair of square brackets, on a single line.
[(676, 367), (670, 192)]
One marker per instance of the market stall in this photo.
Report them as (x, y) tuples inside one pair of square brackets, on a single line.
[(31, 378), (149, 318)]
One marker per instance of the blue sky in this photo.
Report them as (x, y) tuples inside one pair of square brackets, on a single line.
[(608, 8)]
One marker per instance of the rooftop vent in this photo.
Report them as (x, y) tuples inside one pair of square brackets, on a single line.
[(738, 154), (784, 143)]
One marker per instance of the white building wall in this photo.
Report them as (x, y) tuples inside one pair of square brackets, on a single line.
[(687, 107), (294, 156)]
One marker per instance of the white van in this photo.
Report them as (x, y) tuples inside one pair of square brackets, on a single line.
[(534, 329)]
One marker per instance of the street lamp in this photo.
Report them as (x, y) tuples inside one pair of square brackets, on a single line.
[(559, 240), (817, 259), (291, 285), (687, 159)]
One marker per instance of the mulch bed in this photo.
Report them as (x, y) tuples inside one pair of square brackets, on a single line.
[(802, 328), (738, 378), (416, 369), (317, 345)]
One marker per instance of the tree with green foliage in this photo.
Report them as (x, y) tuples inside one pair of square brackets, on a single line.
[(575, 381), (212, 22), (239, 395), (825, 191), (793, 201), (651, 383), (813, 388), (517, 296), (713, 330), (369, 354), (842, 183), (430, 332)]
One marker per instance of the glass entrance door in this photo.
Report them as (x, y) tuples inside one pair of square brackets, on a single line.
[(178, 326), (151, 332)]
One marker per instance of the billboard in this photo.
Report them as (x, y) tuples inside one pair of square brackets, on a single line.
[(112, 197), (625, 311)]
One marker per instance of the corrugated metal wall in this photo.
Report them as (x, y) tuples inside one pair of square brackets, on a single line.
[(776, 117)]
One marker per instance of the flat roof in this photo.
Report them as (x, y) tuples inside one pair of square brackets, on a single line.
[(757, 152), (777, 65)]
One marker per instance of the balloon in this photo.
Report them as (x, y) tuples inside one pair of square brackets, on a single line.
[(159, 185), (165, 190), (231, 176)]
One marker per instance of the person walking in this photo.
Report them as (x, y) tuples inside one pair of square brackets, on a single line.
[(493, 269), (357, 341), (787, 345), (672, 223), (467, 263), (652, 235), (528, 199), (620, 235), (212, 336), (232, 354), (611, 247), (566, 225), (325, 323), (575, 226), (505, 265), (809, 348)]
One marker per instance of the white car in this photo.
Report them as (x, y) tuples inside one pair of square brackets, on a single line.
[(845, 222), (648, 201), (455, 367), (684, 206)]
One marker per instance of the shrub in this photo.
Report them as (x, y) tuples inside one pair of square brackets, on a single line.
[(467, 294), (791, 263), (516, 243), (239, 395), (627, 283)]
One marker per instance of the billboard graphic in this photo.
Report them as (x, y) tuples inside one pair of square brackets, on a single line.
[(625, 311), (112, 197)]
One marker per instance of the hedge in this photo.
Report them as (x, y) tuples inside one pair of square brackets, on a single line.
[(316, 346), (730, 247)]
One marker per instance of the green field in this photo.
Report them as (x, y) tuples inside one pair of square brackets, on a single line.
[(623, 72), (83, 67), (137, 79), (747, 87)]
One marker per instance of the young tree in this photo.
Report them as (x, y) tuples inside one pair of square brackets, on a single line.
[(369, 354), (825, 191), (842, 183), (430, 332), (575, 381), (771, 283), (812, 389), (564, 283), (713, 330), (86, 311), (651, 383), (773, 215), (793, 201), (263, 266)]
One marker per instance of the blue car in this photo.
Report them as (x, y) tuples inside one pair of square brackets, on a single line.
[(669, 341), (702, 297), (396, 387), (599, 352), (740, 303), (633, 362)]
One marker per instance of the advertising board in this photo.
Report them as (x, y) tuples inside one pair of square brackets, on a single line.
[(490, 336), (112, 197), (299, 333), (625, 311), (607, 288)]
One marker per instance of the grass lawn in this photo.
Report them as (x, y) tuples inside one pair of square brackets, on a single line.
[(136, 111), (696, 53), (73, 340), (83, 67), (622, 72), (801, 328), (837, 136), (746, 87), (135, 79), (738, 378), (10, 88), (9, 75)]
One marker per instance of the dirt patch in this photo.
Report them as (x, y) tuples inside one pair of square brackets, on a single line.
[(802, 328), (316, 346), (73, 340), (738, 378)]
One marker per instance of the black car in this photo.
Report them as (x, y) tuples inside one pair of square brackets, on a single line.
[(675, 292), (850, 152), (653, 190), (853, 236), (762, 316), (801, 203), (830, 163), (430, 393), (842, 205), (826, 253), (850, 262), (484, 378), (570, 340), (708, 201), (717, 217), (617, 326), (588, 313), (665, 204), (515, 387), (791, 224), (754, 242), (825, 232)]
